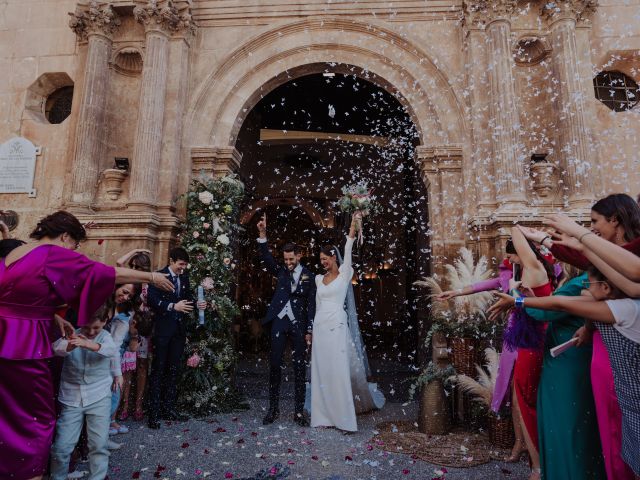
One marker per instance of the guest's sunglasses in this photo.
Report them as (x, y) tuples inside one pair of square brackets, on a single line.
[(588, 283)]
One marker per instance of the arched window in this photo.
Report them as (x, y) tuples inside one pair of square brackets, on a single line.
[(616, 90), (58, 106)]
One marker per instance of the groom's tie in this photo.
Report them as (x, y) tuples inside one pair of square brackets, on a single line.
[(176, 284), (293, 281)]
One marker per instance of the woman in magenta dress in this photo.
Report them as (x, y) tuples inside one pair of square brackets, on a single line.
[(36, 279)]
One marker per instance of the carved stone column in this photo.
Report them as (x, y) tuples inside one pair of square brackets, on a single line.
[(94, 22), (573, 149), (160, 18), (441, 170), (504, 125)]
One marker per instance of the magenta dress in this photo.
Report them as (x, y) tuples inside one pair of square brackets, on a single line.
[(32, 289)]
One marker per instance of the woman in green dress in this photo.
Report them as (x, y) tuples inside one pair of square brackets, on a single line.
[(567, 424)]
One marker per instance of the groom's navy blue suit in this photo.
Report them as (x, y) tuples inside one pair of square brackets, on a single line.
[(301, 296)]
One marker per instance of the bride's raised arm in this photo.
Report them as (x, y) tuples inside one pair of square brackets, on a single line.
[(345, 268)]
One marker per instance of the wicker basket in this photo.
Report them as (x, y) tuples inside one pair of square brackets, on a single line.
[(501, 431), (435, 415), (464, 353)]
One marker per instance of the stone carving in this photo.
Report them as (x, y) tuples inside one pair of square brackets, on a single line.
[(482, 12), (113, 178), (128, 61), (530, 50), (541, 171), (166, 15), (580, 10), (94, 17)]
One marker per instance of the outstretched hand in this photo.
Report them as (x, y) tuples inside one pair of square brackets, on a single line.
[(532, 233), (562, 223), (504, 304), (444, 296), (568, 241)]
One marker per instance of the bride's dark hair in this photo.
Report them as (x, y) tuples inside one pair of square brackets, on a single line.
[(328, 250)]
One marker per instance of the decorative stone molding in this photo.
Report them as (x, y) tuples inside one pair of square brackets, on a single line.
[(433, 160), (481, 13), (530, 50), (112, 179), (214, 161), (579, 10), (94, 18), (167, 15)]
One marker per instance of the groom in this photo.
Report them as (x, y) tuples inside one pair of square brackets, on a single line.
[(291, 313)]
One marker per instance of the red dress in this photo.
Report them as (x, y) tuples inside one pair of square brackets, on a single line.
[(526, 377)]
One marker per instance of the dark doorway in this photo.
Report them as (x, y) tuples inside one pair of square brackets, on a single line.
[(303, 142)]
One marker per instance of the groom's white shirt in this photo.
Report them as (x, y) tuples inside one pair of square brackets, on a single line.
[(287, 310)]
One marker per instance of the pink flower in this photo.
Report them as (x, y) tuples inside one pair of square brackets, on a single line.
[(206, 225), (207, 283), (196, 234), (226, 261), (194, 360)]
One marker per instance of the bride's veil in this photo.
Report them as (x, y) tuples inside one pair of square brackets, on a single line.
[(352, 320)]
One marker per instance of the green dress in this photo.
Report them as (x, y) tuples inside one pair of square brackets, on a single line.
[(567, 425)]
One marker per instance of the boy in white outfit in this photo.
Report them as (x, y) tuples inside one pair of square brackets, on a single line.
[(85, 393)]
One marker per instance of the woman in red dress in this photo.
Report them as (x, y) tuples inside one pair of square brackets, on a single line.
[(528, 337)]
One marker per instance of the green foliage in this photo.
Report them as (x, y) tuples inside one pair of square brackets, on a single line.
[(429, 374), (210, 226)]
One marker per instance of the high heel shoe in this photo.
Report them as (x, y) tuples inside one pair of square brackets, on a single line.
[(138, 416), (536, 474), (516, 456)]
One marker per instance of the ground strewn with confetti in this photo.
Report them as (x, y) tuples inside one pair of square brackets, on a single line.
[(238, 446)]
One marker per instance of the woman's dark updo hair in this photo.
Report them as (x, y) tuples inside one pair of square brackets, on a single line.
[(140, 261), (328, 250), (58, 223), (622, 208)]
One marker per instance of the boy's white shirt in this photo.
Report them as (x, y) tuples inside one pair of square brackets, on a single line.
[(77, 395)]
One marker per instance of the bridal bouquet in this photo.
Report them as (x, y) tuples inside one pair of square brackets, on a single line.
[(357, 199)]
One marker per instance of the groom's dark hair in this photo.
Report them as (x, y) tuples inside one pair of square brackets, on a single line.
[(291, 247)]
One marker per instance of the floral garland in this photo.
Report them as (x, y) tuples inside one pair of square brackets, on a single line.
[(213, 209)]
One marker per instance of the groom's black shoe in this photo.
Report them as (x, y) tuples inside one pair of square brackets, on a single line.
[(301, 419), (270, 417)]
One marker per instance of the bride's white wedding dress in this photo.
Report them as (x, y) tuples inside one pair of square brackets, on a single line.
[(339, 387)]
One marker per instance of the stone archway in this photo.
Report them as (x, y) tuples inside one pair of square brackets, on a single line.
[(405, 70)]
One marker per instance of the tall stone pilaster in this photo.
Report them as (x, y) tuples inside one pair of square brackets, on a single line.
[(494, 17), (573, 149), (161, 19), (441, 171), (94, 22)]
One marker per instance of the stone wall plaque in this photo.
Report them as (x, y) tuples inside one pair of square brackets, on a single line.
[(17, 166)]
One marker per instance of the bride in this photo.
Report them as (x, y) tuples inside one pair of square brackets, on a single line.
[(339, 366)]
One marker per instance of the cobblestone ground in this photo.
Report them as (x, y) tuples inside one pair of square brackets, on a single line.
[(238, 446)]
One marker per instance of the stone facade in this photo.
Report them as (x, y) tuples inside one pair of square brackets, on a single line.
[(167, 84)]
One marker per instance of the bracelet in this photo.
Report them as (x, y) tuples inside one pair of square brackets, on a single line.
[(545, 238), (584, 235), (519, 302), (153, 278)]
